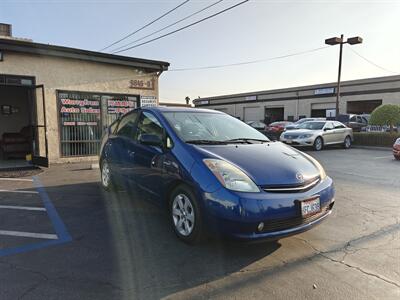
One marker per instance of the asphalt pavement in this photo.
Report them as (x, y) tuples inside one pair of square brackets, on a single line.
[(63, 237)]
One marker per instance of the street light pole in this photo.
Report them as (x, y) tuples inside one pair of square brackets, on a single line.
[(340, 41), (339, 75)]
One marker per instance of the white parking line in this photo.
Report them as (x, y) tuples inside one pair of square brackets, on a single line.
[(29, 234), (22, 207), (16, 179), (381, 157), (16, 191)]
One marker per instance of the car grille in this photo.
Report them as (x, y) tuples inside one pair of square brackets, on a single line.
[(307, 185), (291, 136), (282, 224)]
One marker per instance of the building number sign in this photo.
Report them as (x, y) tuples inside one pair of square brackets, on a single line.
[(141, 84)]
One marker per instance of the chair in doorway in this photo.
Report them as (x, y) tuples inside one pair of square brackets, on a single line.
[(16, 144)]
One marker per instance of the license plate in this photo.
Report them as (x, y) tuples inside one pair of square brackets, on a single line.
[(289, 141), (309, 207)]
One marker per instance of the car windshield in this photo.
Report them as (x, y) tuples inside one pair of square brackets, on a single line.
[(209, 126), (301, 121), (312, 125)]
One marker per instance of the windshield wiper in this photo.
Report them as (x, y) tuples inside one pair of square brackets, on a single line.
[(245, 140), (206, 142)]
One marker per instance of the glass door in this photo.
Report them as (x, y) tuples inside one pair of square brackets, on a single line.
[(40, 151)]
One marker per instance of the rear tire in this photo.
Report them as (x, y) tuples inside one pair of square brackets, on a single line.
[(318, 144), (106, 176), (185, 215), (347, 142)]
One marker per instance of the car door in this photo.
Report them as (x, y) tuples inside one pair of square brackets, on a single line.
[(121, 149), (329, 134), (340, 132), (147, 165)]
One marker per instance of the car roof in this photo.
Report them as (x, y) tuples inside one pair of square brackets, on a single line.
[(180, 109), (318, 121)]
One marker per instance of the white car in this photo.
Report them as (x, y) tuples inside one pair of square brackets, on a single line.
[(318, 134)]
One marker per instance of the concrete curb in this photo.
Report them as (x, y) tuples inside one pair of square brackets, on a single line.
[(372, 148)]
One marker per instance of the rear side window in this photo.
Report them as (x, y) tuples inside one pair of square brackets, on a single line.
[(127, 125), (338, 125)]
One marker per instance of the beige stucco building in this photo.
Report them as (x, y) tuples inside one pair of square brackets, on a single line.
[(81, 93), (357, 97)]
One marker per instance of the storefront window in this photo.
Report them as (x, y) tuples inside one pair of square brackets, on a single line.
[(84, 116)]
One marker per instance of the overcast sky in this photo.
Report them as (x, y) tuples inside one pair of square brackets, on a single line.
[(257, 30)]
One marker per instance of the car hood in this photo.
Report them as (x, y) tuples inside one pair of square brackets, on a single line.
[(267, 164)]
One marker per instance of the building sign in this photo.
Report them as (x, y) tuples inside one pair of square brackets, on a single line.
[(202, 102), (144, 84), (250, 98), (148, 101), (324, 91), (120, 106), (77, 106)]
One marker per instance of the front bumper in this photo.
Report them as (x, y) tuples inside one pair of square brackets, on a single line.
[(237, 215), (396, 152), (298, 142)]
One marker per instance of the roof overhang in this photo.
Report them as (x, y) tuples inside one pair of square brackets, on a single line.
[(73, 53)]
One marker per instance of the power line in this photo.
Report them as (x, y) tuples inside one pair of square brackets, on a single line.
[(143, 27), (185, 27), (372, 63), (248, 62), (166, 27)]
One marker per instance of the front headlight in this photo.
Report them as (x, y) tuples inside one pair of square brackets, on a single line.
[(320, 168), (305, 136), (230, 176)]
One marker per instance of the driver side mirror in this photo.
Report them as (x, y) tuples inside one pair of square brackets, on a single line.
[(327, 129), (151, 140)]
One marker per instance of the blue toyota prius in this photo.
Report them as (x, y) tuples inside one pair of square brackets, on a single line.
[(215, 174)]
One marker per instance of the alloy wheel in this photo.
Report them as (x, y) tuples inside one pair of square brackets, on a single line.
[(347, 143), (105, 174), (183, 214), (318, 144)]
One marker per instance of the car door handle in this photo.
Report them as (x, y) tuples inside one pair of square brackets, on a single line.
[(131, 153)]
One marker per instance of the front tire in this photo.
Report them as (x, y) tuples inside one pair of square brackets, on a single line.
[(106, 176), (347, 142), (185, 215), (318, 144)]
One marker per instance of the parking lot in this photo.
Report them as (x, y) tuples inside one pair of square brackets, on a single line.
[(62, 237)]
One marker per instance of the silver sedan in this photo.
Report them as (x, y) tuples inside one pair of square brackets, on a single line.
[(318, 134)]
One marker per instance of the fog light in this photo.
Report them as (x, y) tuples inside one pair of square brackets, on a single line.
[(260, 226)]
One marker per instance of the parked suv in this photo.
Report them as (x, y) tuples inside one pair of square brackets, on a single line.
[(356, 122)]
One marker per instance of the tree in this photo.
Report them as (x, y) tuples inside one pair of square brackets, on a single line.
[(388, 114)]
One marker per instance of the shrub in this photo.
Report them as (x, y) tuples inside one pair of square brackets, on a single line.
[(388, 114), (379, 139)]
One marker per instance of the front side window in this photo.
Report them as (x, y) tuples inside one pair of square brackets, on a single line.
[(339, 125), (195, 126), (126, 126), (329, 125), (148, 124)]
